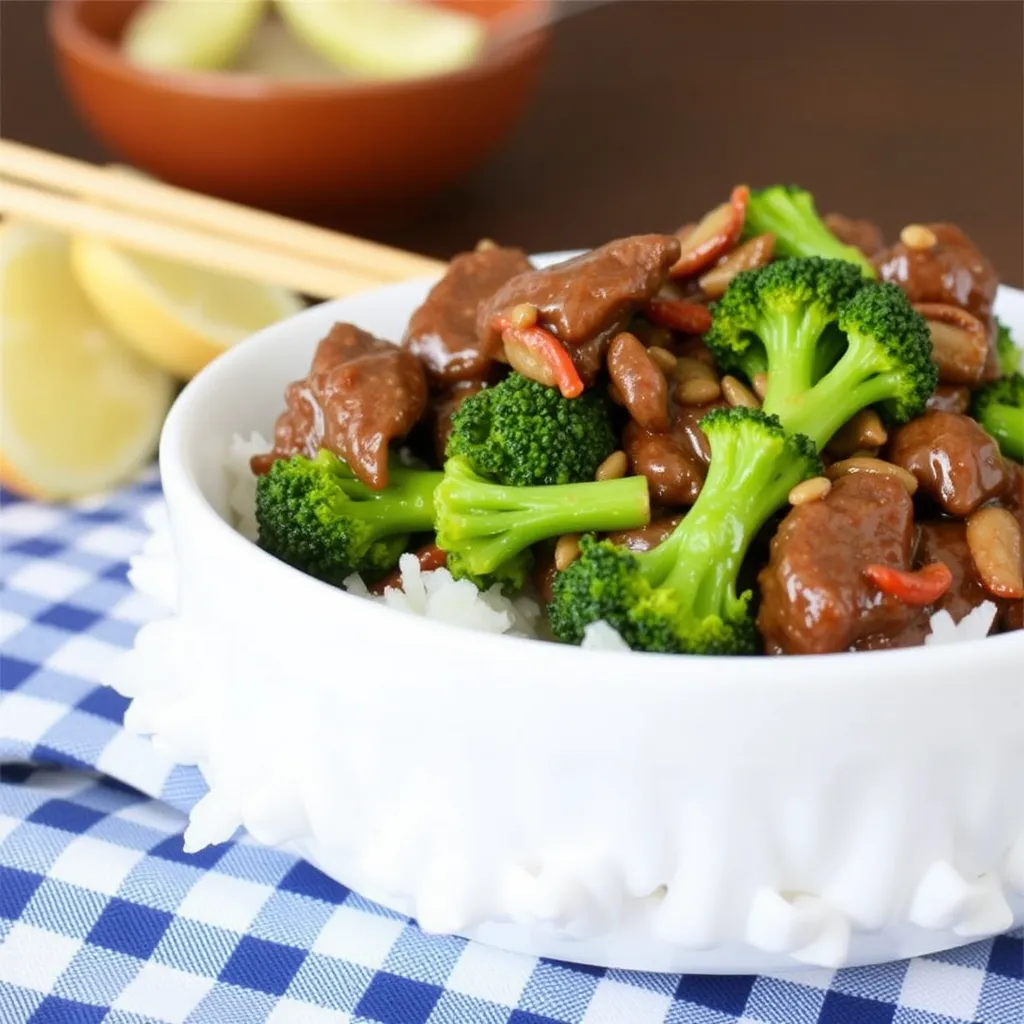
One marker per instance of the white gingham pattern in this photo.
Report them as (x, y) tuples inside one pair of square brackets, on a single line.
[(104, 918)]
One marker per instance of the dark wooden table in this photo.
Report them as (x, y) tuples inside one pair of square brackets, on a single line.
[(648, 112)]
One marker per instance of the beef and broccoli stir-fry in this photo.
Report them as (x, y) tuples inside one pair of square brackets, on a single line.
[(766, 432)]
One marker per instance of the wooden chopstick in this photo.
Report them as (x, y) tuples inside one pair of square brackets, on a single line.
[(76, 216), (177, 224)]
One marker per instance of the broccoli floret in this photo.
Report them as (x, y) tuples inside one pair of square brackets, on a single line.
[(887, 362), (680, 597), (315, 515), (830, 345), (523, 433), (789, 213), (783, 317), (486, 525), (999, 408), (1008, 353)]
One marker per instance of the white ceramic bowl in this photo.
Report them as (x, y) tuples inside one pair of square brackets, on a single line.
[(629, 810)]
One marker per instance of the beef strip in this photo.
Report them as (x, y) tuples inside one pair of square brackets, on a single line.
[(641, 385), (953, 271), (589, 357), (643, 538), (674, 462), (444, 405), (361, 394), (814, 597), (590, 297), (861, 234), (955, 462), (442, 332), (950, 398)]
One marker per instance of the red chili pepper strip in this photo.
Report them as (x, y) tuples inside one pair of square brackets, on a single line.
[(543, 347), (431, 557), (738, 199), (715, 234), (923, 587), (688, 317)]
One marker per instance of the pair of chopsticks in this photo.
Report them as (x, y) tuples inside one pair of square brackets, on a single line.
[(148, 216)]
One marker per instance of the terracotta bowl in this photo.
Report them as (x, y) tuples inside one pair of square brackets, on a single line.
[(286, 144)]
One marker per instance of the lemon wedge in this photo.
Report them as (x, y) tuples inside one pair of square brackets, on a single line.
[(386, 38), (177, 316), (186, 35), (79, 410)]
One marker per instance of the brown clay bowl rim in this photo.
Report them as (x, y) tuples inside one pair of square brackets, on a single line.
[(72, 38)]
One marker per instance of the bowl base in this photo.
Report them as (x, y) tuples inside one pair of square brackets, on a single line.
[(630, 948)]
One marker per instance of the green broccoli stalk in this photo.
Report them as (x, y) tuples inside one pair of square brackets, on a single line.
[(1007, 351), (789, 213), (999, 408), (523, 433), (316, 516), (680, 597), (831, 345), (485, 525)]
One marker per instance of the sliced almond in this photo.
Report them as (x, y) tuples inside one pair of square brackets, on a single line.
[(993, 537), (918, 237), (755, 253), (530, 364), (688, 366), (567, 550), (959, 342), (736, 393), (869, 464), (814, 489), (865, 430)]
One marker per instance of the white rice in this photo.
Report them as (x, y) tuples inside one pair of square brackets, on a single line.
[(973, 626), (437, 596)]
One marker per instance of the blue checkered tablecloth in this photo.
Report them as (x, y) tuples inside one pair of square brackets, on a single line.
[(103, 917)]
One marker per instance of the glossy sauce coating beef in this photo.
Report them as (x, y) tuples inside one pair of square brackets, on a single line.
[(643, 538), (640, 384), (443, 333), (955, 462), (590, 297), (361, 394), (674, 462), (953, 271), (950, 398), (814, 597)]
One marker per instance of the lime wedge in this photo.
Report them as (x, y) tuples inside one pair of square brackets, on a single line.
[(79, 410), (183, 35), (177, 317), (386, 38)]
